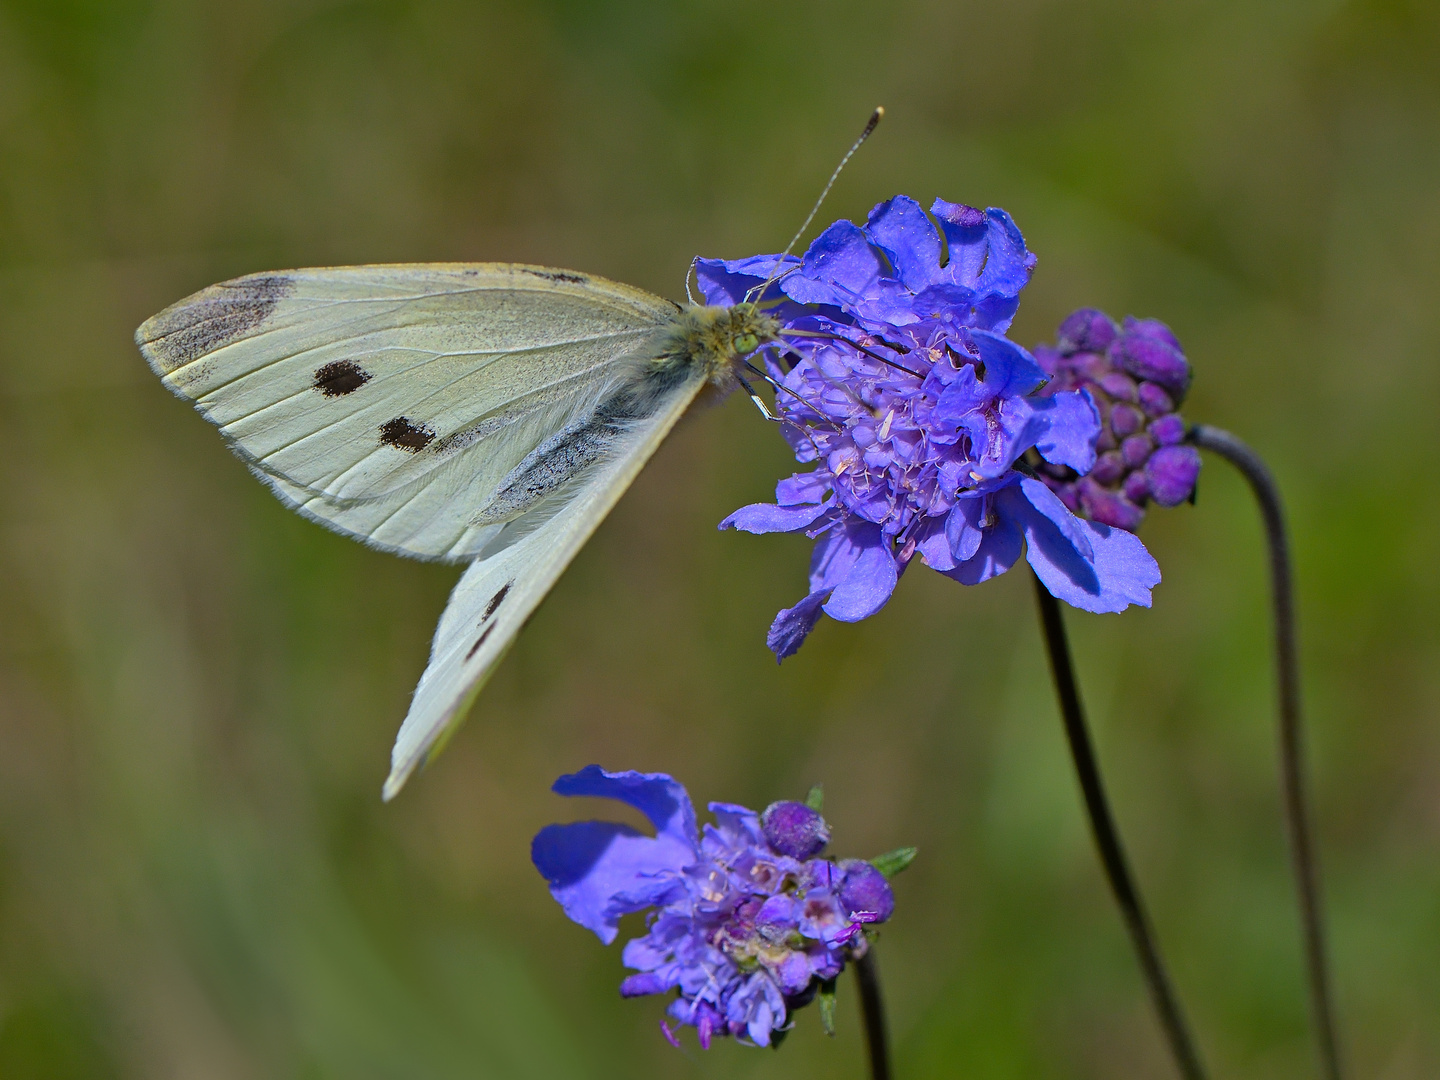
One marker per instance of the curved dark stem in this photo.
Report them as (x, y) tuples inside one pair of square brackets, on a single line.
[(1292, 761), (872, 1009), (1107, 839)]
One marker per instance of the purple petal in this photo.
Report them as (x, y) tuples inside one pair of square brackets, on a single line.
[(934, 545), (1000, 545), (793, 973), (601, 870), (1002, 432), (793, 625), (947, 302), (802, 488), (726, 281), (1072, 426), (768, 518), (821, 915), (1118, 573), (1010, 265), (999, 432), (884, 305), (1049, 504), (839, 266), (832, 558), (869, 572), (901, 229), (1009, 370), (647, 982), (782, 910), (739, 822), (759, 1007), (656, 949), (965, 394), (994, 311), (659, 797), (962, 528), (1012, 428), (987, 254), (967, 234)]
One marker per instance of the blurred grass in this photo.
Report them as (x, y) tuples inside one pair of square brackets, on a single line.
[(198, 690)]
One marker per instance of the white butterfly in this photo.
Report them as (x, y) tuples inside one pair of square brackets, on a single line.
[(491, 413)]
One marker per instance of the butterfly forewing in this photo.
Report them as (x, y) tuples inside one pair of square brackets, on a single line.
[(389, 401)]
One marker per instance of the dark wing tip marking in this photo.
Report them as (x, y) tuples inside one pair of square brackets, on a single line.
[(495, 601), (404, 434), (559, 275), (479, 641), (340, 377), (211, 318)]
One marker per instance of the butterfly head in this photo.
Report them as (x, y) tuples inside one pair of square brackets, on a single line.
[(748, 328), (718, 339)]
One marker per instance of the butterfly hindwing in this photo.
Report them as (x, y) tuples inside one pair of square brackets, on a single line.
[(501, 589)]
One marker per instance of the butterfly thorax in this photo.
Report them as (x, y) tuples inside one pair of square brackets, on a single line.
[(715, 340)]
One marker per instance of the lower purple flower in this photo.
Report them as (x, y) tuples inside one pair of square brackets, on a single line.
[(741, 931)]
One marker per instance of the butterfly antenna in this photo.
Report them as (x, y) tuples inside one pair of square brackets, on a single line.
[(780, 261)]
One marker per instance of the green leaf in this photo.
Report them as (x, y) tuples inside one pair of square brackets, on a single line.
[(826, 998), (816, 799), (892, 862)]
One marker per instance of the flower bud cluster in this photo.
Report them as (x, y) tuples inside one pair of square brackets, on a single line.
[(1137, 375)]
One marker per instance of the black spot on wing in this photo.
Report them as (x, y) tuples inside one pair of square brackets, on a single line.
[(495, 601), (558, 275), (213, 317), (340, 377), (404, 434), (479, 641)]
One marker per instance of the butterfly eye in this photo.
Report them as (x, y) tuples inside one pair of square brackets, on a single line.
[(745, 343)]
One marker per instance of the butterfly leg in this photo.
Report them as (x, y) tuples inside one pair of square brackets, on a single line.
[(759, 403)]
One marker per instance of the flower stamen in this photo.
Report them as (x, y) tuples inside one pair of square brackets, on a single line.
[(853, 344)]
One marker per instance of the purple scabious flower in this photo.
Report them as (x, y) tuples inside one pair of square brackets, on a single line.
[(1137, 375), (899, 386), (741, 930)]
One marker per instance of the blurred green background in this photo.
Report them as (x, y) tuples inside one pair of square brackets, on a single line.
[(198, 690)]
